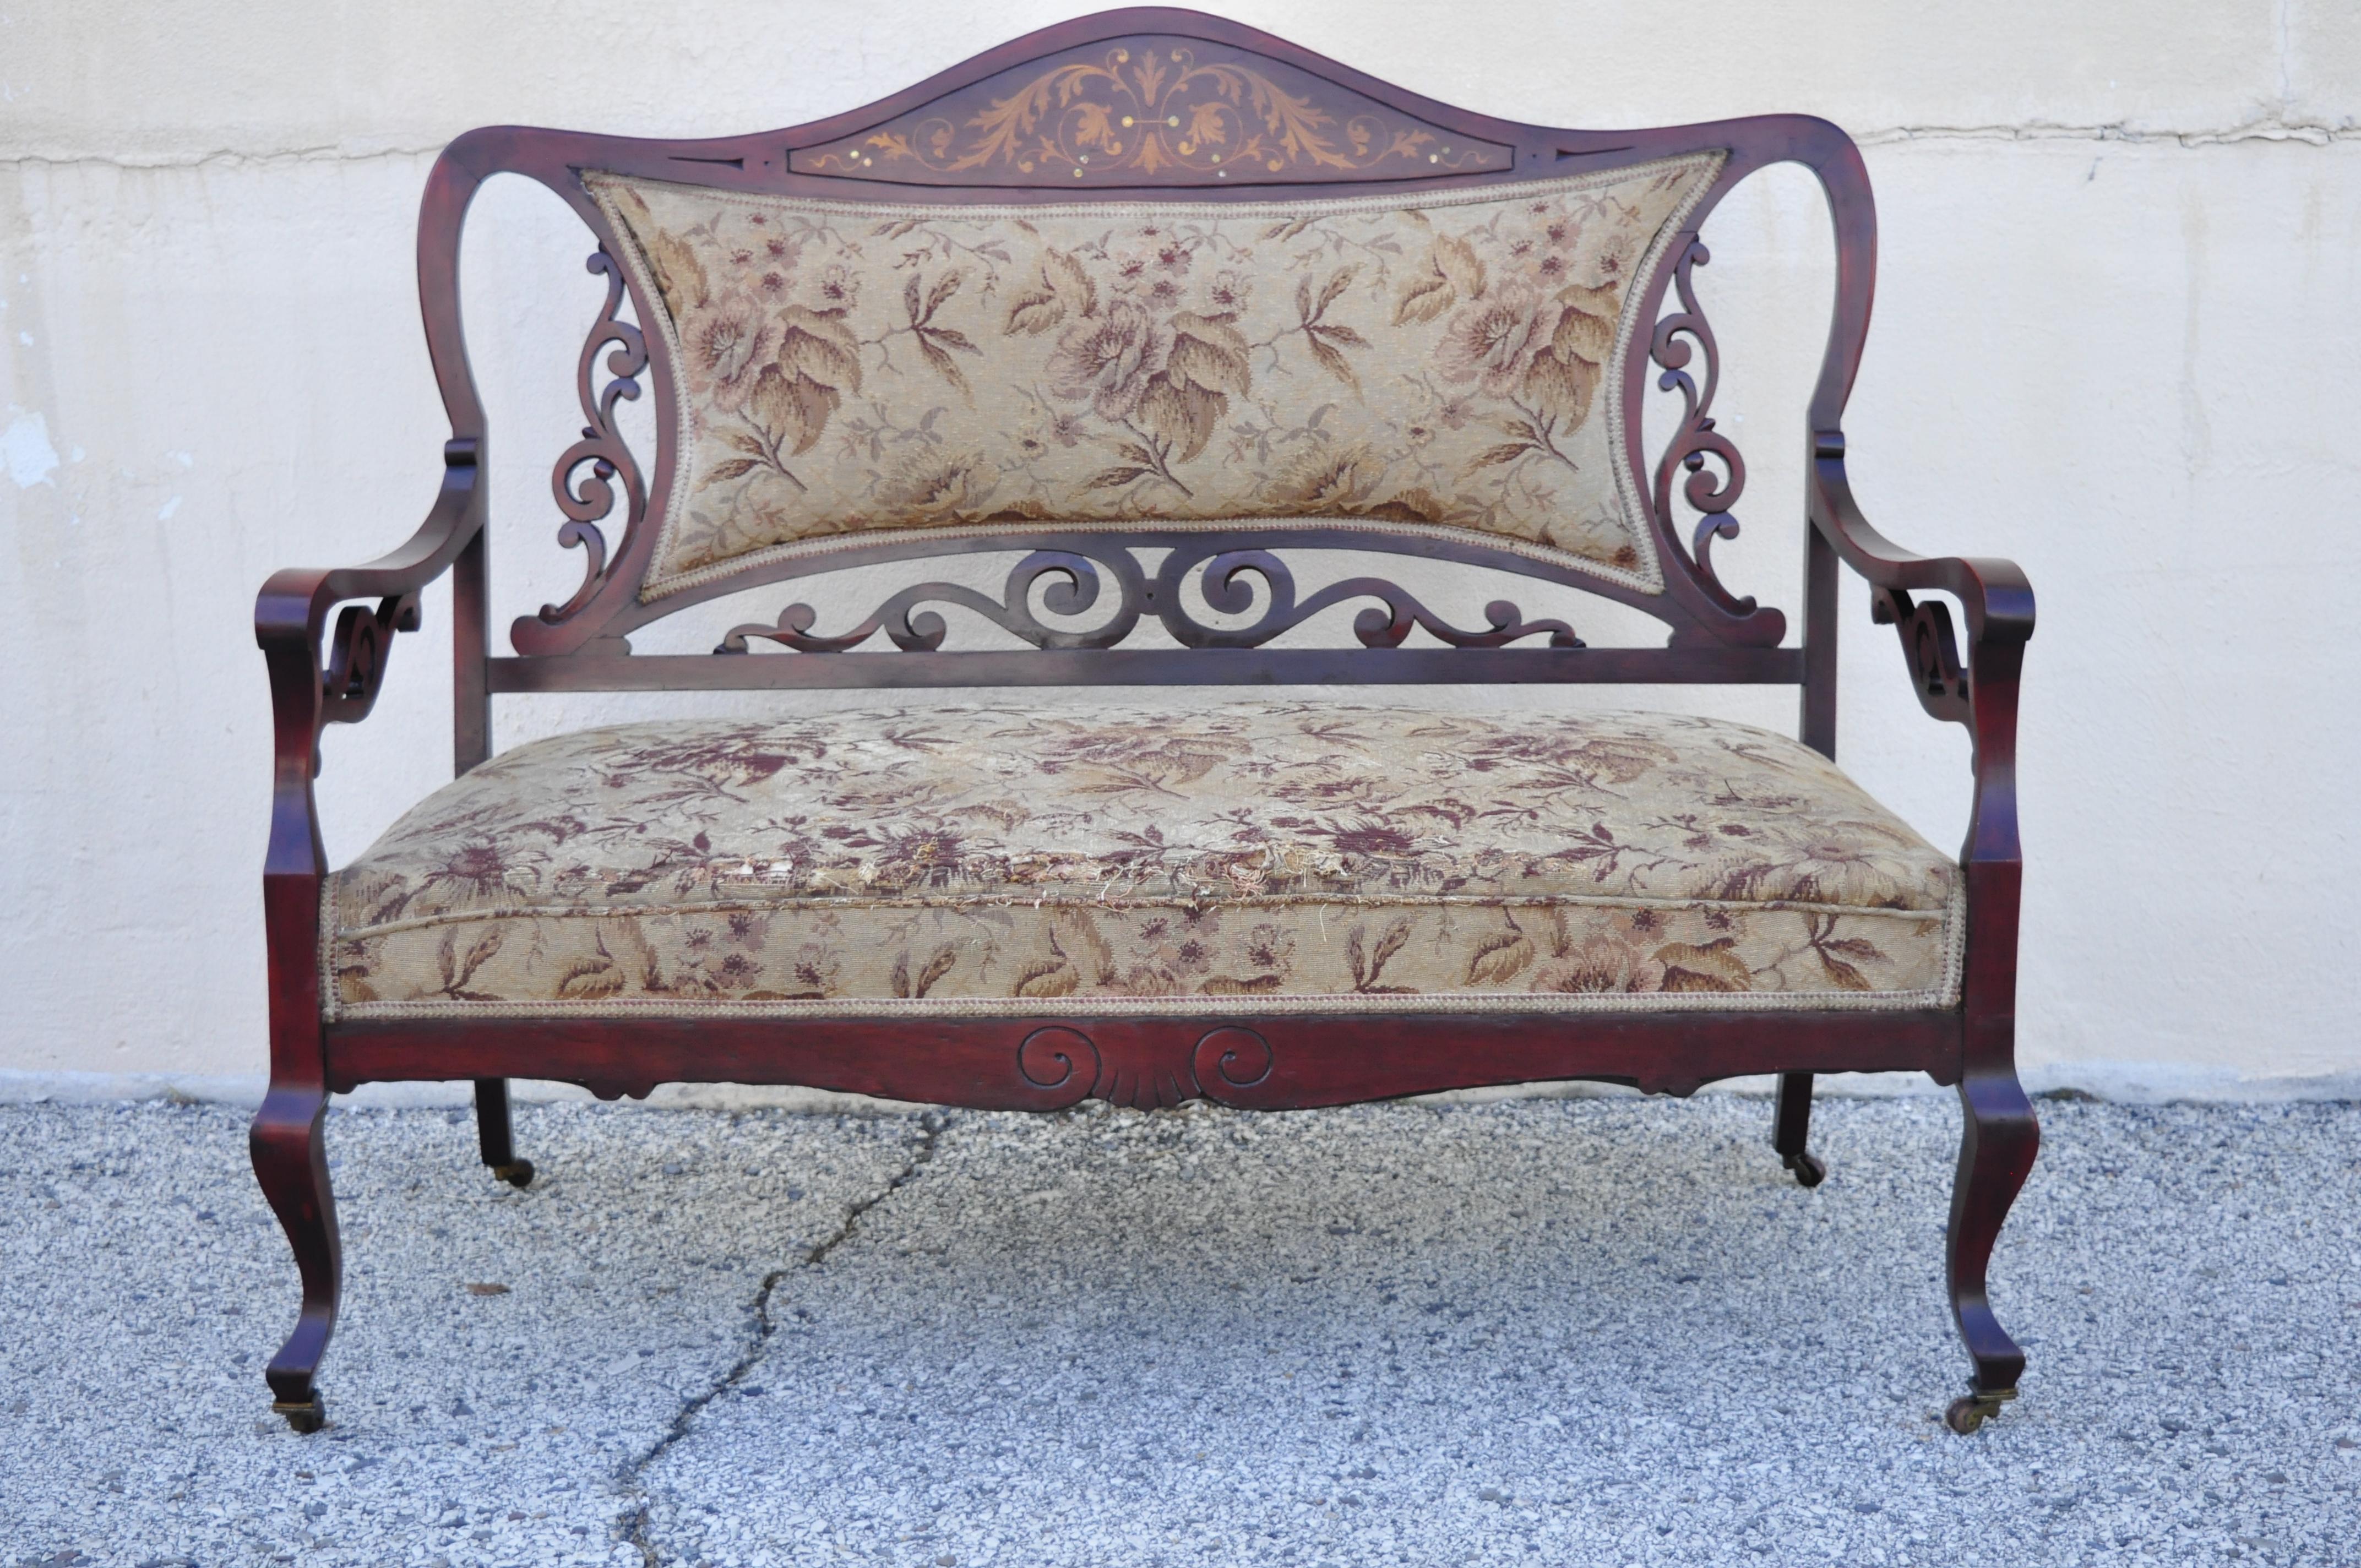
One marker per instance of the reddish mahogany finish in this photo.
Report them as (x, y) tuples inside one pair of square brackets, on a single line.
[(1276, 1064), (948, 139)]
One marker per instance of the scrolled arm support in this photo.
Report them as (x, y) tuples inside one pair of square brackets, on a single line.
[(317, 678), (1978, 691), (357, 655), (1995, 593)]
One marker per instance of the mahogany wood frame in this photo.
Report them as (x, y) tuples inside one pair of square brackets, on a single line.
[(320, 678)]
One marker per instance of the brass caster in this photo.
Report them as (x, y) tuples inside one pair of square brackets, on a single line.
[(1809, 1170), (516, 1173), (1971, 1412), (305, 1416)]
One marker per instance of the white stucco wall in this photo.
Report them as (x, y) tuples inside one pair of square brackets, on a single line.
[(2118, 321)]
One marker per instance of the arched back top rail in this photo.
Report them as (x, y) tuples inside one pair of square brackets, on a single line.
[(1146, 107)]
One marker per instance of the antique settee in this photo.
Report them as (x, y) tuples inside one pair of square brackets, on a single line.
[(1152, 305)]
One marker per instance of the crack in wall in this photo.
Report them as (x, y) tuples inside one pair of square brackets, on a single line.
[(2286, 53), (2263, 128), (239, 158), (2306, 130), (635, 1524)]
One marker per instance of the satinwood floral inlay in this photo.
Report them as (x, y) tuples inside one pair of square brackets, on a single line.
[(1150, 112)]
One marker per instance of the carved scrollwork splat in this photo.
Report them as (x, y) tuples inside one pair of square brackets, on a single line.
[(1073, 586), (587, 499), (1695, 439), (1384, 625), (1152, 111)]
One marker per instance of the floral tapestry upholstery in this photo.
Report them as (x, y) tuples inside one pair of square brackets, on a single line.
[(1254, 859), (1456, 364)]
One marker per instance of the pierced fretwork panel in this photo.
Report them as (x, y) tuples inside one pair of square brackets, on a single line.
[(1073, 578), (588, 501), (1694, 441)]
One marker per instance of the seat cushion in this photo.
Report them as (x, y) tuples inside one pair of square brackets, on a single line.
[(1254, 860)]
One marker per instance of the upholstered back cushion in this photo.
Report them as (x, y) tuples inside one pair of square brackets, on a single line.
[(1455, 364)]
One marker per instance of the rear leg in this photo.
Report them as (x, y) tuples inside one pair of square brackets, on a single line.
[(1997, 1144), (495, 1134), (291, 1161), (1791, 1127)]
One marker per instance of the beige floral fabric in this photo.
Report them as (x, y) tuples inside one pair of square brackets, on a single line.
[(1256, 860), (1456, 364)]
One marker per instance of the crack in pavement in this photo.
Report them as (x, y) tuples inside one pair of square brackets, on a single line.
[(629, 1479)]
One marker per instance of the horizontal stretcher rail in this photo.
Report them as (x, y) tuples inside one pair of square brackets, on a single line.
[(1122, 667)]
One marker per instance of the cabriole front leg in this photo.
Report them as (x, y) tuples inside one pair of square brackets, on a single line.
[(1996, 1148), (291, 1160)]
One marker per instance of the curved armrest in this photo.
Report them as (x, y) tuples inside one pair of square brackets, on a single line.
[(1994, 594), (294, 604), (310, 689), (1979, 694)]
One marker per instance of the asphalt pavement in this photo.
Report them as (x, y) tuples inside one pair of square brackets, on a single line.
[(1581, 1330)]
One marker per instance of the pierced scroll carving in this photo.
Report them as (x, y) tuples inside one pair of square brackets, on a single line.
[(1073, 586), (358, 652), (1932, 650), (1383, 625), (587, 499), (1696, 440), (1152, 111), (1072, 589)]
